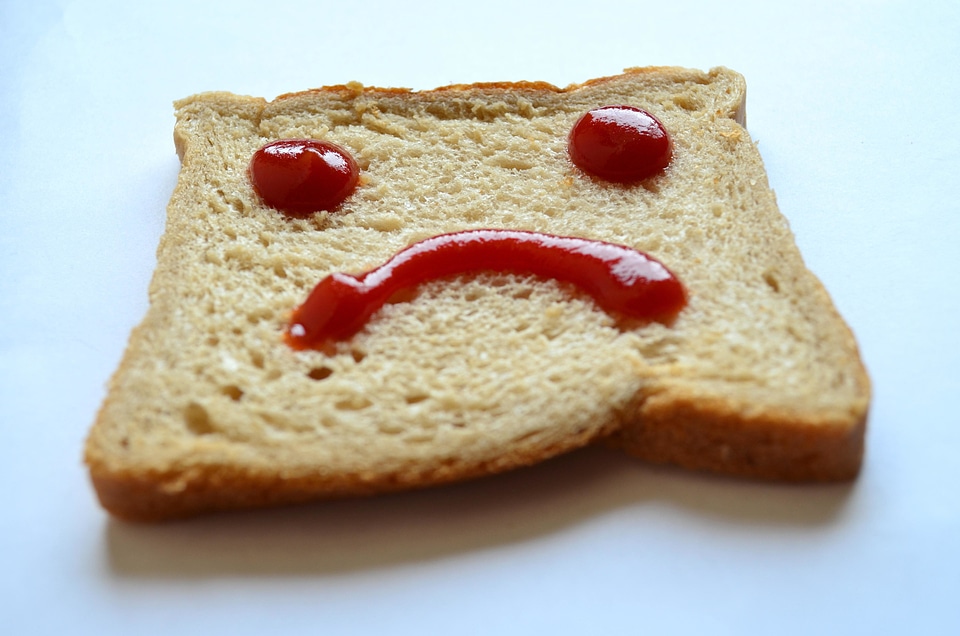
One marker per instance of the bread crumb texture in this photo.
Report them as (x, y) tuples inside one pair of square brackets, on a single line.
[(758, 376)]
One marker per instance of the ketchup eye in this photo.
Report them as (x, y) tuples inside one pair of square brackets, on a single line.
[(619, 143), (303, 176)]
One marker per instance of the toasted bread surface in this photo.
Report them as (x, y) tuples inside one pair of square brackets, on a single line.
[(758, 376)]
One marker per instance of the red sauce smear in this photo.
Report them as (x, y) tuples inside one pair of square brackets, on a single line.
[(620, 279)]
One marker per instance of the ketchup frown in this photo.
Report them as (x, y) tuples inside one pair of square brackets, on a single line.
[(620, 279)]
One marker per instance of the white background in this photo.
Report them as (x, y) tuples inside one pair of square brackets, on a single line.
[(856, 109)]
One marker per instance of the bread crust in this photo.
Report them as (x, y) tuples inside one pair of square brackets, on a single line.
[(145, 468), (706, 435), (155, 495)]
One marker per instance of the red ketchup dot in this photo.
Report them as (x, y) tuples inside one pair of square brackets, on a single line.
[(622, 144), (621, 280), (303, 176)]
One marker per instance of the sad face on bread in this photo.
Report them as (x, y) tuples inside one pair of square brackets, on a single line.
[(509, 229), (620, 144)]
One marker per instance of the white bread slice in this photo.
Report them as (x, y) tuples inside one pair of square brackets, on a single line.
[(759, 376)]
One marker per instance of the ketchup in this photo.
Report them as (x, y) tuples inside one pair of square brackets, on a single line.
[(303, 176), (621, 280), (622, 144)]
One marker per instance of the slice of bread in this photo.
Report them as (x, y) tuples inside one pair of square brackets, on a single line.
[(758, 376)]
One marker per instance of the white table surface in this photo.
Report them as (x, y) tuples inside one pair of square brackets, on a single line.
[(856, 109)]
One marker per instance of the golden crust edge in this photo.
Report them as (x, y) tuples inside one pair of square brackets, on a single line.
[(152, 495), (226, 102), (668, 429), (708, 435)]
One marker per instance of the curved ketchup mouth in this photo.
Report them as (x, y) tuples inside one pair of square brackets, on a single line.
[(620, 279)]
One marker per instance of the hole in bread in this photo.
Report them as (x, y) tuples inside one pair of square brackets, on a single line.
[(198, 419), (416, 398), (257, 358), (279, 271), (390, 428), (841, 380), (321, 220), (232, 391), (526, 436), (772, 281), (320, 373), (256, 315), (473, 294), (232, 201), (402, 296), (523, 293), (688, 102), (385, 223), (353, 403), (653, 244), (499, 280), (509, 161), (650, 185), (358, 355), (420, 437)]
